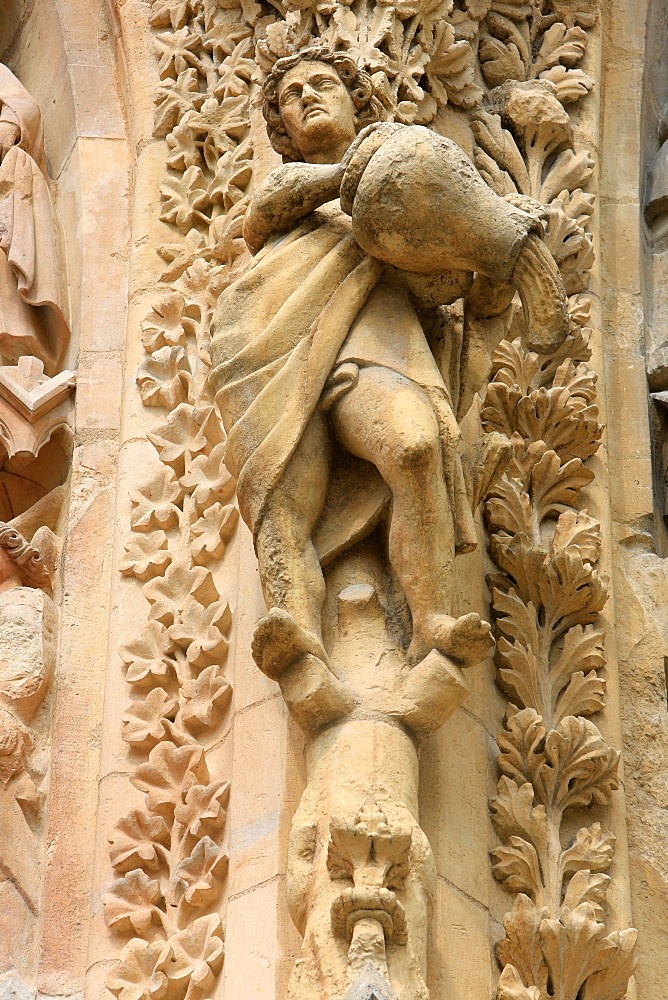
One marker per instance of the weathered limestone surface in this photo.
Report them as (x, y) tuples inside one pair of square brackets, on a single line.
[(309, 426)]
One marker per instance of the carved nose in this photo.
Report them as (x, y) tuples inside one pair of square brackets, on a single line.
[(309, 95)]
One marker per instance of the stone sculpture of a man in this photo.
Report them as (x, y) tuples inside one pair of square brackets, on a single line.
[(319, 349), (32, 309)]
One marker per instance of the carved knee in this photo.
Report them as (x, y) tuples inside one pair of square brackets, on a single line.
[(418, 450)]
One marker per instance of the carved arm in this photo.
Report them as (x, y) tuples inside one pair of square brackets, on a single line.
[(288, 195)]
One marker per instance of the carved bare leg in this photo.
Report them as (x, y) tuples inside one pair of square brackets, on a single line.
[(389, 421), (292, 580)]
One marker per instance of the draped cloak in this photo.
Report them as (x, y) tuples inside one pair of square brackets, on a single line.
[(279, 342), (32, 303), (284, 335)]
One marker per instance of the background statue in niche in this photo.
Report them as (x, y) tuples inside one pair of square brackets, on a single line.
[(32, 301), (321, 346)]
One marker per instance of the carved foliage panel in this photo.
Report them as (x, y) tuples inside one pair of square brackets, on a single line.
[(515, 69), (547, 593)]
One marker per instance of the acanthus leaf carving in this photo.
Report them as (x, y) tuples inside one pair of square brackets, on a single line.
[(548, 595)]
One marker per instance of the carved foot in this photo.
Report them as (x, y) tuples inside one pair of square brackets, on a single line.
[(313, 694), (278, 640), (466, 640), (429, 695)]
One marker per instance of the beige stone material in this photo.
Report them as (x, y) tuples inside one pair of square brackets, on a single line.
[(422, 344), (33, 303)]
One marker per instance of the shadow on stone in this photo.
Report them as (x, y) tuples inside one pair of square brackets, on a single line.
[(370, 985)]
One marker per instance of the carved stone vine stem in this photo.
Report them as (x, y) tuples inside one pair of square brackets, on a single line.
[(170, 855), (547, 599)]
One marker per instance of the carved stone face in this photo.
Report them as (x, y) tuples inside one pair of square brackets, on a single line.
[(317, 111)]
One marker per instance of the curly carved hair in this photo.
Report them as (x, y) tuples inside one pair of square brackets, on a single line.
[(357, 82), (29, 561)]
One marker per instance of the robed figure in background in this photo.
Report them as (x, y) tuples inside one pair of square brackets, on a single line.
[(32, 302)]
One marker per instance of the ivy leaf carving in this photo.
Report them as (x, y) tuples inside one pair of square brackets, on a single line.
[(147, 657), (209, 479), (174, 99), (202, 700), (155, 504), (134, 840), (187, 432), (171, 12), (235, 71), (179, 256), (198, 953), (201, 872), (184, 198), (205, 808), (177, 51), (145, 721), (146, 556), (164, 378), (169, 594), (168, 774), (131, 902), (232, 175), (141, 973), (213, 531), (199, 630), (169, 324)]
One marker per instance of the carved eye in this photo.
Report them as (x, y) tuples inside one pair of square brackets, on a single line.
[(288, 95)]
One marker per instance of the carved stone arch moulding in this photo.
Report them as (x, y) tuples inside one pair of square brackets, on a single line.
[(36, 436), (375, 668)]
